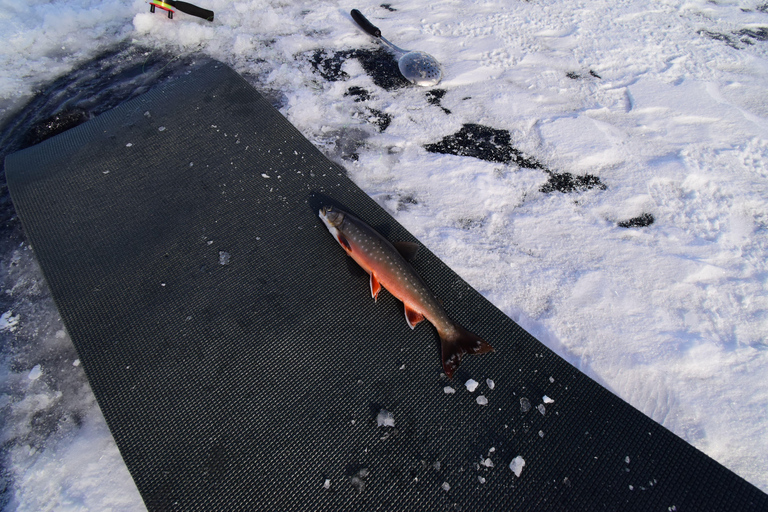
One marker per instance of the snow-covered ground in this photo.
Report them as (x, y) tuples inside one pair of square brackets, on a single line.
[(632, 240)]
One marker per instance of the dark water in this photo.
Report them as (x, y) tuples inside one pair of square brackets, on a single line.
[(114, 76)]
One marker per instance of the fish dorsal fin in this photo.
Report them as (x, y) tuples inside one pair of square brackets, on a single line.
[(375, 287), (407, 250), (412, 316)]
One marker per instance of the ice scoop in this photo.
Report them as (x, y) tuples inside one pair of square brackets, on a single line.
[(417, 67)]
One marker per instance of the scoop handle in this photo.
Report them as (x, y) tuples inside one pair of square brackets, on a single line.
[(365, 24), (192, 10)]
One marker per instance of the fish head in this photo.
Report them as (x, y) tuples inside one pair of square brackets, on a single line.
[(331, 217)]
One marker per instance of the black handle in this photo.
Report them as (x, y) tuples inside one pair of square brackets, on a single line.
[(365, 24), (192, 10)]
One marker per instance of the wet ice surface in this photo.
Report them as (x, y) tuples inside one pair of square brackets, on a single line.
[(613, 203)]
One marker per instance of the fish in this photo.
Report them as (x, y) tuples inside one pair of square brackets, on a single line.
[(388, 268)]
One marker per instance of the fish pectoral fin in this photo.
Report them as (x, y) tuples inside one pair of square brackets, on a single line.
[(375, 287), (344, 242), (412, 316), (407, 250)]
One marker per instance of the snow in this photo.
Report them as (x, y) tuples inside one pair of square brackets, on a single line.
[(471, 385), (662, 101)]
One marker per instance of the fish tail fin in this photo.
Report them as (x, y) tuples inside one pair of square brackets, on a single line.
[(458, 343)]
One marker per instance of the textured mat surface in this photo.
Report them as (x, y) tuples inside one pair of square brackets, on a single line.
[(239, 359)]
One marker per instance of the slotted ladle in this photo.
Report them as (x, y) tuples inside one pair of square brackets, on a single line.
[(417, 67)]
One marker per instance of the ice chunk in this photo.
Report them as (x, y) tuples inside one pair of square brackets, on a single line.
[(385, 419), (446, 486), (486, 462), (448, 390), (517, 465), (471, 385), (546, 399), (481, 479), (327, 484), (525, 405), (35, 372), (490, 383), (541, 408), (8, 322), (481, 400), (357, 483), (224, 258)]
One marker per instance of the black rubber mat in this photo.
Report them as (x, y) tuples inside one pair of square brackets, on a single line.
[(241, 364)]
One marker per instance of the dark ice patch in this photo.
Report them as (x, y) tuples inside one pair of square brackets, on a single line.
[(566, 182), (576, 76), (358, 93), (379, 64), (642, 221), (328, 64), (374, 116), (485, 143), (434, 96), (405, 201), (379, 119), (758, 34), (717, 36), (467, 223), (348, 142), (746, 36)]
